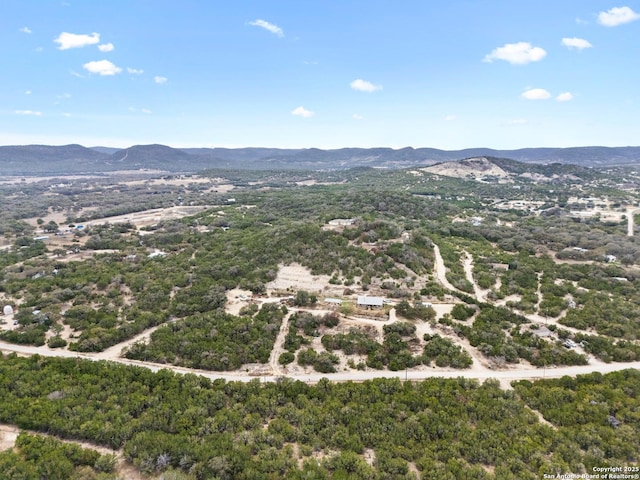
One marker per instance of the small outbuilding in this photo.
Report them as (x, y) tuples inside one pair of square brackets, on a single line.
[(7, 310), (333, 301), (341, 222), (542, 332)]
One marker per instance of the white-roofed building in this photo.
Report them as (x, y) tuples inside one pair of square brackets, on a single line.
[(370, 302)]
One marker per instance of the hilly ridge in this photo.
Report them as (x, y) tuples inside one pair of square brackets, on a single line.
[(74, 159), (506, 170)]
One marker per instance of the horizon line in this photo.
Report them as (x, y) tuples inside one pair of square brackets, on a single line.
[(311, 148)]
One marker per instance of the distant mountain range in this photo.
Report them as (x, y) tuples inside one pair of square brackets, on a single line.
[(75, 159)]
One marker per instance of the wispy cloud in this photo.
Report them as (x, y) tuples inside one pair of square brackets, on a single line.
[(302, 112), (617, 16), (27, 92), (146, 110), (516, 53), (71, 40), (276, 30), (28, 112), (25, 30), (160, 80), (102, 67), (579, 43), (134, 71), (536, 94), (357, 116), (364, 86), (450, 118), (565, 97), (106, 47)]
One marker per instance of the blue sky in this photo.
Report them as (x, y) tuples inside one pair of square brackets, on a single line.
[(447, 74)]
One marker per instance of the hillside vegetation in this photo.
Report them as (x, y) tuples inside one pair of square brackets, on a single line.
[(352, 274)]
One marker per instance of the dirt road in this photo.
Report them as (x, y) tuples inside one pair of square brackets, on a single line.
[(441, 270), (278, 345), (353, 376), (480, 294)]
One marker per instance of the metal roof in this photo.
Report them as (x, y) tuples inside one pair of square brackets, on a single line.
[(370, 301)]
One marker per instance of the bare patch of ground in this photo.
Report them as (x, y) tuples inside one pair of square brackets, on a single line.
[(296, 277), (236, 299), (59, 217), (476, 168), (220, 188), (8, 435), (369, 456), (442, 309), (147, 218), (178, 180)]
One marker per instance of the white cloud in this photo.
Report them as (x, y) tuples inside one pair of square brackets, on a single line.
[(71, 40), (25, 30), (302, 112), (450, 118), (564, 97), (106, 47), (364, 86), (617, 16), (536, 94), (357, 116), (516, 53), (64, 96), (276, 30), (28, 112), (160, 80), (145, 110), (27, 92), (517, 121), (102, 67), (134, 71), (579, 43), (66, 115)]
